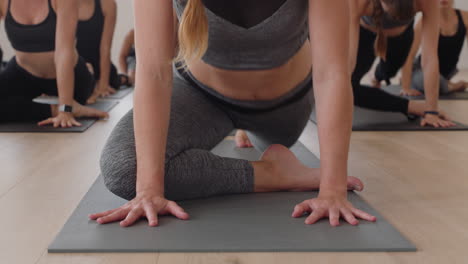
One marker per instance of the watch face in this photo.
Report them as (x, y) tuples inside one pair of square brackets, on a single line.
[(66, 108)]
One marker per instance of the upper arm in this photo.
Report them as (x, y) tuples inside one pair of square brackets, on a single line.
[(417, 39), (3, 6), (355, 7), (154, 34), (67, 20), (127, 44), (430, 29), (465, 20), (329, 35), (109, 8)]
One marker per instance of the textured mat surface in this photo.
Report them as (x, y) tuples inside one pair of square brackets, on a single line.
[(30, 127), (231, 223)]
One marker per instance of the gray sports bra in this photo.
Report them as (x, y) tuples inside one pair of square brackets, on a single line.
[(267, 45), (387, 21)]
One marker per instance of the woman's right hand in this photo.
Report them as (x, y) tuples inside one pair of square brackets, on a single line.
[(410, 92), (143, 205)]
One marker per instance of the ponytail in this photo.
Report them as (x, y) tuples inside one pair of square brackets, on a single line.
[(192, 33), (380, 45)]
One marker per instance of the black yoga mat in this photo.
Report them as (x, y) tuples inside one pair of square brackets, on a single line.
[(395, 90), (371, 120), (31, 126), (230, 223)]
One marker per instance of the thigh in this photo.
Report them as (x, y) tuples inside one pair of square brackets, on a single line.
[(397, 52), (365, 55), (17, 82), (84, 82), (195, 123), (282, 126)]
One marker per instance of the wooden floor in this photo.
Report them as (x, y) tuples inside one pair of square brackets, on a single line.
[(417, 180)]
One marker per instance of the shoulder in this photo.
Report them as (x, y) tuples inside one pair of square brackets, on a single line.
[(426, 5), (360, 8), (108, 6), (3, 7), (464, 16)]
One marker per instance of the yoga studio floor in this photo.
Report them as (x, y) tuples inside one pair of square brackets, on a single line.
[(417, 180)]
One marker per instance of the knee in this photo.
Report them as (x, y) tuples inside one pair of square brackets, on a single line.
[(118, 160)]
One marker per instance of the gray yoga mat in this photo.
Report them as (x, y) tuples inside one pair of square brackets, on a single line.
[(395, 90), (231, 223), (31, 126), (121, 93), (371, 120)]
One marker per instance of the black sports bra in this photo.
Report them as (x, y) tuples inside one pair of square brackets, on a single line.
[(32, 38), (387, 21)]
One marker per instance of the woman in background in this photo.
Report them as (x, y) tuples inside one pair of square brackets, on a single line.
[(384, 28), (42, 34), (453, 25), (97, 19), (127, 58)]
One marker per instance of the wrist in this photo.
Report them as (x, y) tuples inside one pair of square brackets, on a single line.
[(432, 112)]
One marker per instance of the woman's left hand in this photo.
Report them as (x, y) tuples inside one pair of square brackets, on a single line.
[(332, 206), (437, 121), (101, 90)]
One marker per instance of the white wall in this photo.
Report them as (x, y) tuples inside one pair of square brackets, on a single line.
[(124, 24)]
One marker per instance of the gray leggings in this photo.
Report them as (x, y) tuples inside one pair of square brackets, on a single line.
[(199, 120), (417, 82)]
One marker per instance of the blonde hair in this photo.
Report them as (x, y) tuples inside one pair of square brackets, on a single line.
[(192, 33)]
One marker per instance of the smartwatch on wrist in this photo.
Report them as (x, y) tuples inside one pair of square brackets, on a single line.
[(65, 108), (436, 113)]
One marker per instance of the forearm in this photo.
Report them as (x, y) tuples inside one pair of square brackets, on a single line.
[(65, 63), (105, 65), (406, 75), (431, 84), (123, 64), (334, 115), (151, 121)]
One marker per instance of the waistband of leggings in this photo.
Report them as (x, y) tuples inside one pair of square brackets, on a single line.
[(254, 106)]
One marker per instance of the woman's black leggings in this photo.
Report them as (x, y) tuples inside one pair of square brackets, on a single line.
[(18, 87), (398, 49)]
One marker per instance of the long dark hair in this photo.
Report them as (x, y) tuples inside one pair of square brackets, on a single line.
[(399, 10)]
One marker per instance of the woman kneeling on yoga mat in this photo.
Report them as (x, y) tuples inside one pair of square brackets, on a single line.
[(94, 36), (252, 72), (42, 33), (385, 28), (453, 25)]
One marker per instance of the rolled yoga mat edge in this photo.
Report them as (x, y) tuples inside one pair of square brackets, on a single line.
[(120, 93), (228, 223)]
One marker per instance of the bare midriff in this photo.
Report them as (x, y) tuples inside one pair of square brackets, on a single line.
[(256, 84), (38, 64)]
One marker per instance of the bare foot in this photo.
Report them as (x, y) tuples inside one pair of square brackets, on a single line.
[(289, 173), (84, 111), (375, 83), (242, 140), (457, 87)]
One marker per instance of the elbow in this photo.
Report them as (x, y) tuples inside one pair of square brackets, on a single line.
[(64, 57)]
